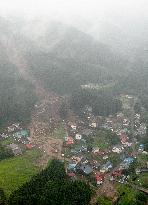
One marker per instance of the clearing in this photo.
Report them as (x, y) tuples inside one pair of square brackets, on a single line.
[(17, 170)]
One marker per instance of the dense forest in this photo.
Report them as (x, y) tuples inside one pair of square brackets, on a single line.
[(5, 152), (102, 102), (52, 187), (17, 96), (71, 58)]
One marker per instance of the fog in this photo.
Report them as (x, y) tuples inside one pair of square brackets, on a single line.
[(123, 19), (73, 102), (66, 10)]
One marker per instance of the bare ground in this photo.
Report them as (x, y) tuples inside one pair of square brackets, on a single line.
[(46, 109)]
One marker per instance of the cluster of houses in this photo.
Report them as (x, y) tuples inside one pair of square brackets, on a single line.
[(18, 137), (82, 160), (139, 127)]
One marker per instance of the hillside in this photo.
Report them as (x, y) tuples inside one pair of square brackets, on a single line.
[(65, 58)]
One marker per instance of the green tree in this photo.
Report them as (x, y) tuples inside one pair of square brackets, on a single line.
[(2, 197), (102, 200)]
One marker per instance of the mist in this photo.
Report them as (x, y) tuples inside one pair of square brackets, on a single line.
[(73, 102)]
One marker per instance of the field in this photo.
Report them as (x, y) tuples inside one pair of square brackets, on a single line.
[(142, 180), (17, 170), (59, 132), (7, 141)]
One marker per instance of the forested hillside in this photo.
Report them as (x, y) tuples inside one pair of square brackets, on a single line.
[(52, 187), (17, 96), (102, 102), (71, 58)]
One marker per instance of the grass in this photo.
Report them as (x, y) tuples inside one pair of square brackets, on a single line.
[(100, 140), (18, 170), (60, 133), (142, 180), (142, 160), (7, 141)]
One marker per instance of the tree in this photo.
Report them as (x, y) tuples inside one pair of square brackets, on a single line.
[(63, 111), (102, 200), (52, 187), (5, 152), (2, 197)]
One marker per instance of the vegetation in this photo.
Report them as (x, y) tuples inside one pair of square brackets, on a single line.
[(63, 111), (60, 132), (5, 152), (17, 96), (102, 102), (128, 196), (105, 138), (103, 201), (17, 170), (52, 187), (2, 197)]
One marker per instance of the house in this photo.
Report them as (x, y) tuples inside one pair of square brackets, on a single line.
[(106, 167), (72, 166), (74, 127), (129, 160), (72, 176), (126, 163), (124, 138), (88, 108), (76, 159), (95, 164), (99, 178), (87, 132), (103, 169), (141, 148), (117, 173), (21, 133), (105, 157), (142, 129), (93, 124), (11, 129), (117, 149), (69, 141), (15, 149), (86, 169), (96, 150), (109, 165), (29, 146), (84, 160), (78, 136)]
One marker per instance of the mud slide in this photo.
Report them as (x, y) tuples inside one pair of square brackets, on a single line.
[(45, 109)]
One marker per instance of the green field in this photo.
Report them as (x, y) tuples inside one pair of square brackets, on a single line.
[(142, 180), (7, 141), (59, 132), (17, 170)]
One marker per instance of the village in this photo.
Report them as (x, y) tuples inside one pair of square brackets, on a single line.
[(96, 149), (88, 152)]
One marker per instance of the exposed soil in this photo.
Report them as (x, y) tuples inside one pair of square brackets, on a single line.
[(45, 113)]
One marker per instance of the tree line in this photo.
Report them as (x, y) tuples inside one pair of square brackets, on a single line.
[(102, 102), (52, 187), (17, 96)]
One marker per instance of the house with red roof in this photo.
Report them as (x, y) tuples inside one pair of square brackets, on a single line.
[(99, 178), (29, 146), (124, 138), (69, 141)]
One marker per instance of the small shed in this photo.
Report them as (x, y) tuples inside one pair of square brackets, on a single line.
[(78, 136)]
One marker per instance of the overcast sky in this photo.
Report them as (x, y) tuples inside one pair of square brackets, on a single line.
[(89, 9)]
